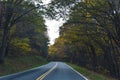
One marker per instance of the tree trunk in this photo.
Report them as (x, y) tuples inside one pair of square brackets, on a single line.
[(3, 45), (94, 58)]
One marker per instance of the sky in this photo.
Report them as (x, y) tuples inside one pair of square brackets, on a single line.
[(53, 29), (46, 1), (52, 26)]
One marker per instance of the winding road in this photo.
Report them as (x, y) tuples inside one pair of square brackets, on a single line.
[(50, 71)]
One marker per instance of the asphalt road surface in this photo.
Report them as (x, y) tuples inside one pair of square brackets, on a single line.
[(51, 71)]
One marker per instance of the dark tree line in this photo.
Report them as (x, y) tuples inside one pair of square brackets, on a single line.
[(22, 28), (90, 38)]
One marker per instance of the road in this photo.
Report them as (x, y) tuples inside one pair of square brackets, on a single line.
[(50, 71)]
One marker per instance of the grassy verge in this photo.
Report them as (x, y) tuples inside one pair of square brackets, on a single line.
[(13, 65), (90, 74)]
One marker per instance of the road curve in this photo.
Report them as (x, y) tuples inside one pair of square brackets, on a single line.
[(51, 71)]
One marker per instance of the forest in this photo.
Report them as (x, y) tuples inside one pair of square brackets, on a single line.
[(22, 29), (90, 37)]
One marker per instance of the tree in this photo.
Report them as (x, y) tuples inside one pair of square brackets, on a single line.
[(92, 34), (32, 28), (11, 12)]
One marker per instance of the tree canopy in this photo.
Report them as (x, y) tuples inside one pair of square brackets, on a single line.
[(22, 26), (90, 38)]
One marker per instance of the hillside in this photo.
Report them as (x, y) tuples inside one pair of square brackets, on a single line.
[(13, 65)]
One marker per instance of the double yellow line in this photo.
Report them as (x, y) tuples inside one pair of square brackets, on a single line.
[(46, 73)]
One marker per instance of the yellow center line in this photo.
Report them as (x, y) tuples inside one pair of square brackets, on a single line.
[(46, 73)]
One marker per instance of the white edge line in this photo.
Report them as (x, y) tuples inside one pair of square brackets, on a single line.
[(77, 72), (46, 73)]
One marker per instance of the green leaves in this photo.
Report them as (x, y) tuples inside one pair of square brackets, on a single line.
[(22, 28)]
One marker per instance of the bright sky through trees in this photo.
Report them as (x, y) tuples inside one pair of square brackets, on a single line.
[(52, 26), (53, 29)]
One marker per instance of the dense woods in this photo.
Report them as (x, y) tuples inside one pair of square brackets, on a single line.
[(22, 29), (91, 36)]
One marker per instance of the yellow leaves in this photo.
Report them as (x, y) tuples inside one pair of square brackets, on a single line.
[(25, 47), (22, 44)]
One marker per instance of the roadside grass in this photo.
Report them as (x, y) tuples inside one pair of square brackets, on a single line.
[(90, 74), (17, 64)]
